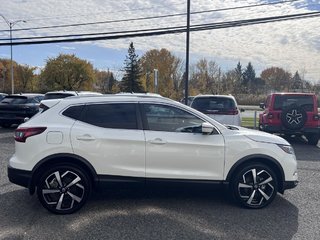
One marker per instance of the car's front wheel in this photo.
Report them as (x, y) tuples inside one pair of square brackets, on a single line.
[(254, 185), (63, 189)]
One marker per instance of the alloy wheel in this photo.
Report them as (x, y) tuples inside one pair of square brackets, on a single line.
[(63, 190), (255, 186)]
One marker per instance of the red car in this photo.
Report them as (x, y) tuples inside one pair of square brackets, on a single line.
[(291, 114)]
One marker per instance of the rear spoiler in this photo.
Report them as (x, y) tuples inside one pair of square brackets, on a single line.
[(46, 104)]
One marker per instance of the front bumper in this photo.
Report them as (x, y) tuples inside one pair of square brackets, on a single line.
[(289, 185), (19, 177)]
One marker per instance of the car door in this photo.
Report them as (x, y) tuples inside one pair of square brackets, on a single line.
[(108, 135), (176, 148)]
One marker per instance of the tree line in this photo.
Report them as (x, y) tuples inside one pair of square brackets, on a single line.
[(68, 72)]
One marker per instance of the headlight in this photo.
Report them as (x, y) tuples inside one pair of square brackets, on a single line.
[(287, 148)]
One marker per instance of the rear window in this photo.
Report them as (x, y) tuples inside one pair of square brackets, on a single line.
[(73, 112), (15, 100), (57, 95), (284, 101), (213, 104)]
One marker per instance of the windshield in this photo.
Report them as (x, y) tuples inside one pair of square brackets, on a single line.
[(213, 104)]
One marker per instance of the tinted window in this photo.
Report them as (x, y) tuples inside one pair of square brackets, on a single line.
[(57, 95), (74, 112), (305, 102), (170, 119), (15, 100), (213, 104), (121, 115)]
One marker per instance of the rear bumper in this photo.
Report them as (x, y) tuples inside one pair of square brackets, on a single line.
[(280, 129), (19, 177)]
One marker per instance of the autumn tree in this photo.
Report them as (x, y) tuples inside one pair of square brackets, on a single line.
[(276, 78), (132, 72), (206, 77), (67, 72), (105, 81), (169, 72), (26, 76)]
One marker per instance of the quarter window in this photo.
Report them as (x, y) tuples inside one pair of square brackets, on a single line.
[(122, 115), (171, 119)]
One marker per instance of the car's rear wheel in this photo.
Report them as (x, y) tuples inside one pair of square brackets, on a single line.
[(313, 139), (254, 185), (63, 189)]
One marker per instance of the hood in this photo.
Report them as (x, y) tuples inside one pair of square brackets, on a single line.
[(258, 136)]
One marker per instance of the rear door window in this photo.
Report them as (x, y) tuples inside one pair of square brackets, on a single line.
[(111, 115)]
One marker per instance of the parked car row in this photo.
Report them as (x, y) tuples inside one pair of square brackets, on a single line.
[(16, 108)]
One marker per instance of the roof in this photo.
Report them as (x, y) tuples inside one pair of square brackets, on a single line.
[(293, 93), (212, 95)]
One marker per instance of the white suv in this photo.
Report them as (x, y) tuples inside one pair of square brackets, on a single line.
[(77, 144), (222, 108)]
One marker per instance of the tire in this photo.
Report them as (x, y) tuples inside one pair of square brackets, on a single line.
[(293, 117), (313, 139), (63, 189), (256, 193)]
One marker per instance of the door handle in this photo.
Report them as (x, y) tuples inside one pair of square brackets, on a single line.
[(85, 137), (157, 141)]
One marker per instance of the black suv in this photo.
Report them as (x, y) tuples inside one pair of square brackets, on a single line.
[(15, 108)]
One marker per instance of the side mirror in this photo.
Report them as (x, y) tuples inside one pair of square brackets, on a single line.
[(242, 110), (262, 105), (206, 128), (26, 119)]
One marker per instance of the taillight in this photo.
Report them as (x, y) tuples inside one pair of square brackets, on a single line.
[(232, 112), (21, 134)]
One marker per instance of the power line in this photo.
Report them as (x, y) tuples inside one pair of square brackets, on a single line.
[(164, 31), (151, 17)]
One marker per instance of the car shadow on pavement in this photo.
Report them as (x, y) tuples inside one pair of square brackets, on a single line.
[(148, 214)]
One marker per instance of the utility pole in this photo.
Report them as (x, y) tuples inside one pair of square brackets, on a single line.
[(186, 87), (10, 25), (155, 72)]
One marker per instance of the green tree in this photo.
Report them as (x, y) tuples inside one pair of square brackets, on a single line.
[(131, 79), (238, 74), (67, 72), (296, 82), (249, 77)]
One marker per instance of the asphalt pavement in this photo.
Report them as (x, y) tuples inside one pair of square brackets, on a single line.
[(166, 213)]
